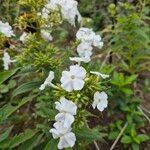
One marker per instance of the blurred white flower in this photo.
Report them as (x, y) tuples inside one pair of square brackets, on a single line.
[(104, 76), (88, 35), (24, 37), (68, 10), (46, 35), (73, 79), (6, 61), (67, 138), (6, 29), (100, 101), (80, 59), (66, 106), (85, 35), (67, 111), (48, 81), (84, 49), (97, 41)]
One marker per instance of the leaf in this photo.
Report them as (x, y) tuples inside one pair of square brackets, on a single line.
[(8, 109), (18, 139), (25, 88), (88, 134), (135, 146), (113, 135), (126, 139), (143, 137), (5, 135), (130, 79), (7, 74), (51, 145), (31, 143)]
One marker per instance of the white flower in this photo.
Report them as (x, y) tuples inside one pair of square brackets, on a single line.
[(104, 76), (48, 81), (73, 79), (88, 35), (80, 59), (68, 10), (67, 109), (84, 49), (85, 35), (100, 101), (24, 37), (6, 29), (66, 106), (97, 41), (67, 138), (46, 35), (6, 60)]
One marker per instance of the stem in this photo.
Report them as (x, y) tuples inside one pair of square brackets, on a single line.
[(140, 109), (118, 137)]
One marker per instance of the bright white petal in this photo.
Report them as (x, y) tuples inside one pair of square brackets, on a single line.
[(78, 84), (66, 118)]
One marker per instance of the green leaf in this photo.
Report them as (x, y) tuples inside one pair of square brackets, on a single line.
[(88, 134), (51, 145), (25, 88), (8, 109), (130, 79), (113, 135), (3, 88), (18, 139), (7, 74), (5, 135), (31, 143), (11, 84), (143, 137), (126, 139), (135, 146)]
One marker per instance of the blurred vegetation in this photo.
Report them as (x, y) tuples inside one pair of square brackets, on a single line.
[(26, 114)]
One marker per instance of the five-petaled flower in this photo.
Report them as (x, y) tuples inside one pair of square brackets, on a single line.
[(73, 79), (67, 138), (100, 101)]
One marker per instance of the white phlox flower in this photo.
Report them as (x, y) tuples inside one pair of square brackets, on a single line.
[(73, 79), (68, 10), (24, 37), (67, 138), (48, 81), (104, 76), (67, 109), (84, 49), (46, 35), (100, 101), (88, 35), (7, 61), (6, 29)]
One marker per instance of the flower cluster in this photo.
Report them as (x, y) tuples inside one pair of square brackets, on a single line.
[(68, 10), (88, 39), (72, 80), (62, 127)]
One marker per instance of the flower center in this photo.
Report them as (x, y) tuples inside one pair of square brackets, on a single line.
[(72, 77)]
